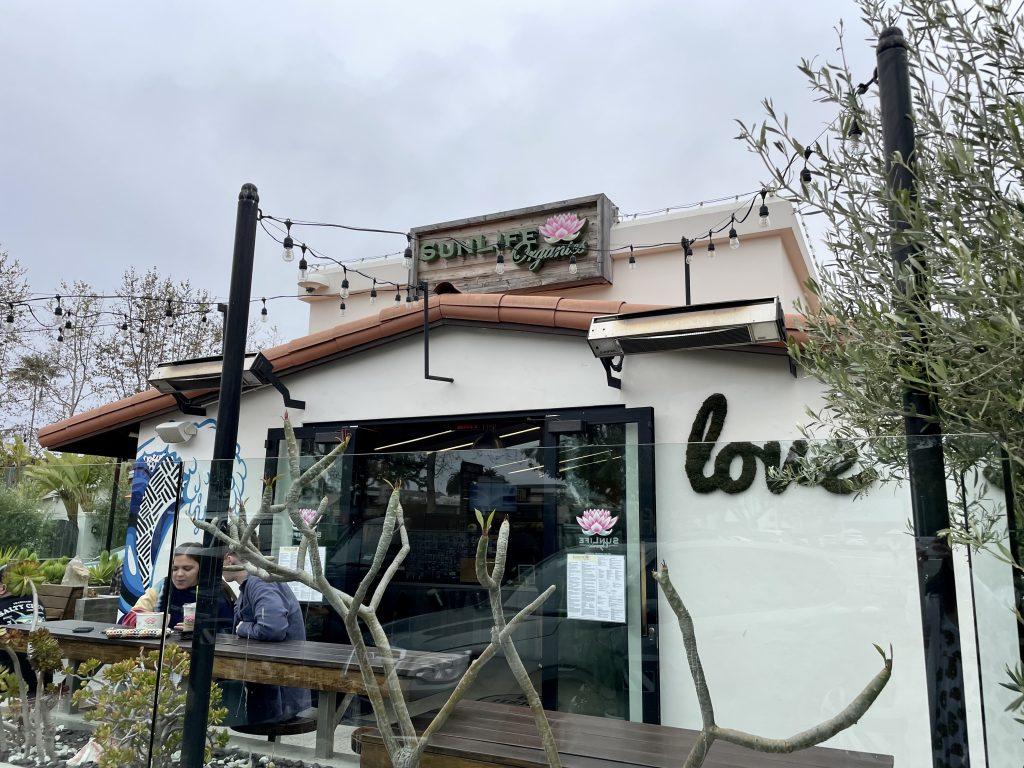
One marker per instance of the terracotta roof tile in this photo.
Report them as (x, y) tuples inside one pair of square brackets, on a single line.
[(485, 309)]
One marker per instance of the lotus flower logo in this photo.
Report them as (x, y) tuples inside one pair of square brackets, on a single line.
[(307, 514), (597, 522), (562, 227)]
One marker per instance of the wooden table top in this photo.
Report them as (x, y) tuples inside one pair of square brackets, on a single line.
[(501, 734), (316, 657)]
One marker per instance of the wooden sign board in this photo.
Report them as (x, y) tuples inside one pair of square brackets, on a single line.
[(543, 246)]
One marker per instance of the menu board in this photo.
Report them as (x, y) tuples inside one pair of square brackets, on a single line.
[(596, 587), (289, 558)]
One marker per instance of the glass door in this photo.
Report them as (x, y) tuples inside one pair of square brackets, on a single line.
[(600, 652)]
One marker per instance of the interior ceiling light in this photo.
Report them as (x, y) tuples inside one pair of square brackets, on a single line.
[(413, 440)]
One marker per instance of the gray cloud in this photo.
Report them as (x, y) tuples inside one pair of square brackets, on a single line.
[(130, 126)]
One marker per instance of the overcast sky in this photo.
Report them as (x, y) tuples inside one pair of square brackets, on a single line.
[(129, 127)]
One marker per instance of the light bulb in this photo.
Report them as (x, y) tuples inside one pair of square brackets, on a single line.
[(573, 266), (263, 315), (288, 254), (342, 308), (407, 257), (711, 250), (344, 288), (632, 261), (764, 217), (689, 258), (734, 239), (499, 264), (373, 295), (303, 269)]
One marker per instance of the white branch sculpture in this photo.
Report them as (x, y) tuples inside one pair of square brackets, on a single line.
[(710, 730), (406, 747)]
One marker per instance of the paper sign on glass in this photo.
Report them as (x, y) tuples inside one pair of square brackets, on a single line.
[(596, 587), (289, 558)]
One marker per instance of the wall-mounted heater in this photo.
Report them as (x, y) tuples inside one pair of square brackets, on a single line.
[(699, 326)]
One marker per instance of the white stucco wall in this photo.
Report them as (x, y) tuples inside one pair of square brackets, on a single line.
[(761, 267), (788, 592)]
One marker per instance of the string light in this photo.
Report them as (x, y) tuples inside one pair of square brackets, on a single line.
[(10, 313), (58, 310), (398, 294), (762, 212), (124, 323), (407, 254), (499, 262), (734, 239), (342, 307), (855, 132), (805, 174), (687, 250), (573, 266), (169, 313), (303, 266), (60, 336), (632, 258), (263, 312), (373, 292), (288, 254), (711, 246), (344, 283)]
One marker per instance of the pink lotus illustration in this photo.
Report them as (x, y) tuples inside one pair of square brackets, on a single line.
[(307, 514), (597, 522), (561, 226)]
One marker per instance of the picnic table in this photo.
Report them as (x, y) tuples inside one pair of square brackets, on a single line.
[(482, 734), (329, 668)]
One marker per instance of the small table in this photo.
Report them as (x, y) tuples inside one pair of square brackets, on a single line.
[(329, 668), (480, 734)]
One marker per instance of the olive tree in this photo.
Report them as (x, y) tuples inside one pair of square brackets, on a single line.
[(966, 222), (954, 329)]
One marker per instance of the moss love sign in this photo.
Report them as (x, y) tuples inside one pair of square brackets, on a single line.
[(840, 457)]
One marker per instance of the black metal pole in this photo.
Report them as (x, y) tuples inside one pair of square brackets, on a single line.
[(204, 638), (113, 505), (926, 466)]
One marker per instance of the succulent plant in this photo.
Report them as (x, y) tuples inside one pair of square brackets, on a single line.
[(19, 574), (102, 573)]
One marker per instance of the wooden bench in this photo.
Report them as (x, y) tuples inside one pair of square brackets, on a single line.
[(58, 601), (480, 734)]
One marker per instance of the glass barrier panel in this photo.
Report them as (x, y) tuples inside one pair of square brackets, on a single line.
[(797, 563)]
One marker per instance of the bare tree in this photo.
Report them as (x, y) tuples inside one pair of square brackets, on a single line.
[(76, 352), (13, 289), (406, 747), (193, 329)]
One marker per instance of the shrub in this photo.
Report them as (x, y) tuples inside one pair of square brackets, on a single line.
[(122, 709), (21, 523)]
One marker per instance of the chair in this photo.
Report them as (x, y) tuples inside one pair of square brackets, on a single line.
[(58, 601)]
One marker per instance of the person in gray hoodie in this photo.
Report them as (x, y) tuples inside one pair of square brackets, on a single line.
[(268, 612)]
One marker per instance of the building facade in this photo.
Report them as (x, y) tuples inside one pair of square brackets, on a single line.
[(790, 583)]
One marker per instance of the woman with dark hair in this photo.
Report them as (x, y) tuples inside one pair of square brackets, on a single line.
[(171, 595)]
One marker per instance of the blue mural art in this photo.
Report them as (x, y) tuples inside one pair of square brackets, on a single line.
[(155, 497)]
